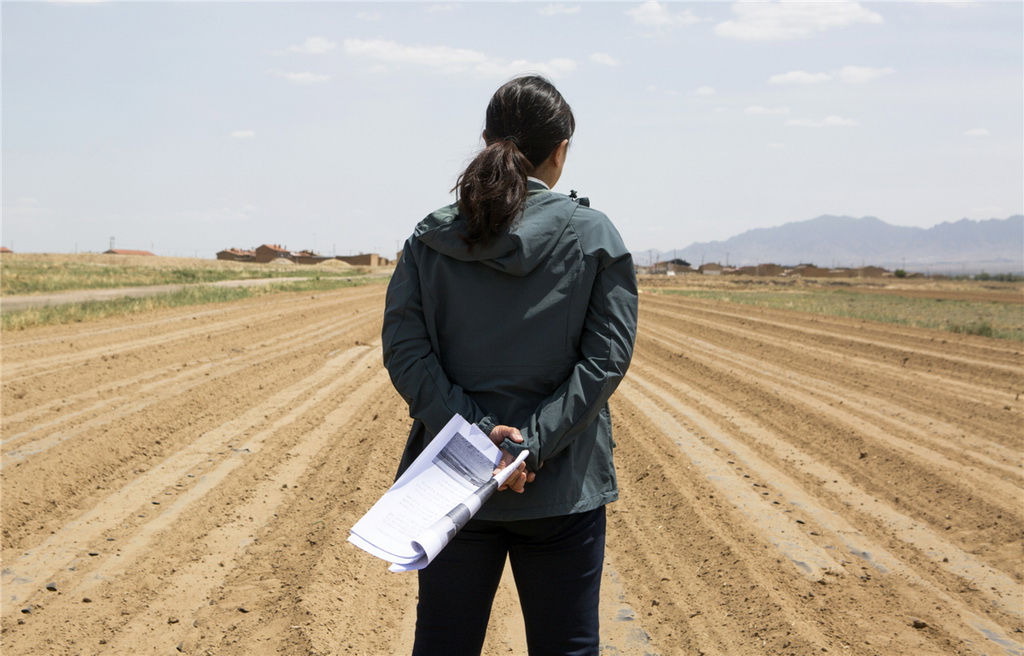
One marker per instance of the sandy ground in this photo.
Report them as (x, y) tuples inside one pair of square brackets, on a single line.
[(184, 482)]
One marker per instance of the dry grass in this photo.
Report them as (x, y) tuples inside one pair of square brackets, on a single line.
[(42, 273), (977, 308), (34, 273), (191, 295)]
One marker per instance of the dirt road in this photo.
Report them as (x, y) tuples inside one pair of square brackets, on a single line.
[(23, 302), (184, 481)]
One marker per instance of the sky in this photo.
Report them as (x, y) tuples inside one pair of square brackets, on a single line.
[(186, 128)]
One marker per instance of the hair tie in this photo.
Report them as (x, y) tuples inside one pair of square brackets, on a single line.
[(514, 140)]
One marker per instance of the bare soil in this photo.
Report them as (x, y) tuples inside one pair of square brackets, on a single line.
[(184, 482)]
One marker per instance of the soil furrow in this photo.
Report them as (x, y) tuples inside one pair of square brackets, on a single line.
[(947, 445), (791, 485)]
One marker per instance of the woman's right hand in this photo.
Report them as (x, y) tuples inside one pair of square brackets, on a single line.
[(520, 477)]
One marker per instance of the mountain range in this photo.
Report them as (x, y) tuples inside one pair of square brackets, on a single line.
[(964, 246)]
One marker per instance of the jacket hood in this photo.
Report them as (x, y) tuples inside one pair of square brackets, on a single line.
[(519, 250)]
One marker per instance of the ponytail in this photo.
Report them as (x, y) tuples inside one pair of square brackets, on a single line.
[(492, 190), (526, 120)]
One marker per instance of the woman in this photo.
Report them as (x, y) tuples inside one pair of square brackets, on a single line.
[(516, 308)]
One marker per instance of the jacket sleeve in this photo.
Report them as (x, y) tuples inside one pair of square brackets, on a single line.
[(410, 359), (606, 347)]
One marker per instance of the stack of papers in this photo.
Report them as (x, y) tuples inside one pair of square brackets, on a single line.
[(435, 497)]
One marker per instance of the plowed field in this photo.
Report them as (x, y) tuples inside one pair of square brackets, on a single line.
[(184, 482)]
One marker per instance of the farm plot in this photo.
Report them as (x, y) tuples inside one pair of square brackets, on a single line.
[(183, 481)]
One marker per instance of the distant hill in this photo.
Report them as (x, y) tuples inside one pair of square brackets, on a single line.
[(995, 245)]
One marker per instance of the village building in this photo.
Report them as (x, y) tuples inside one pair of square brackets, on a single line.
[(873, 272), (761, 270), (809, 271), (711, 269), (271, 252), (674, 269), (236, 255), (275, 252), (309, 257), (364, 259)]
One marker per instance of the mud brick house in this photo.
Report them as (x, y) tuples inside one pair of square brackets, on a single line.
[(761, 270), (364, 259), (308, 257), (270, 252), (236, 255)]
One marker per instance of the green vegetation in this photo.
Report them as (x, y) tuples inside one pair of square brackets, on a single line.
[(988, 319), (42, 277), (197, 295), (1001, 277)]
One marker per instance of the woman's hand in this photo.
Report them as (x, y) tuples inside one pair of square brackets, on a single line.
[(520, 477), (500, 433)]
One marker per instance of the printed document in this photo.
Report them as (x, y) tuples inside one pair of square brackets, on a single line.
[(435, 497)]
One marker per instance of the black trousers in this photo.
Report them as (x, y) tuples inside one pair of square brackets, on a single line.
[(557, 564)]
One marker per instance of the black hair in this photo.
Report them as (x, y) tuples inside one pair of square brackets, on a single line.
[(527, 118)]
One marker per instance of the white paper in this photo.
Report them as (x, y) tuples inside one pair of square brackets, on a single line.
[(445, 486)]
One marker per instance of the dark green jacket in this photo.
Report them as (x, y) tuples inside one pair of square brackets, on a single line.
[(534, 331)]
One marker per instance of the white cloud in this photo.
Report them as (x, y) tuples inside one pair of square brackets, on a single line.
[(848, 74), (827, 122), (799, 77), (771, 21), (956, 4), (243, 134), (304, 77), (559, 9), (603, 58), (370, 16), (454, 60), (758, 110), (704, 91), (978, 132), (657, 14), (861, 74), (314, 45)]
